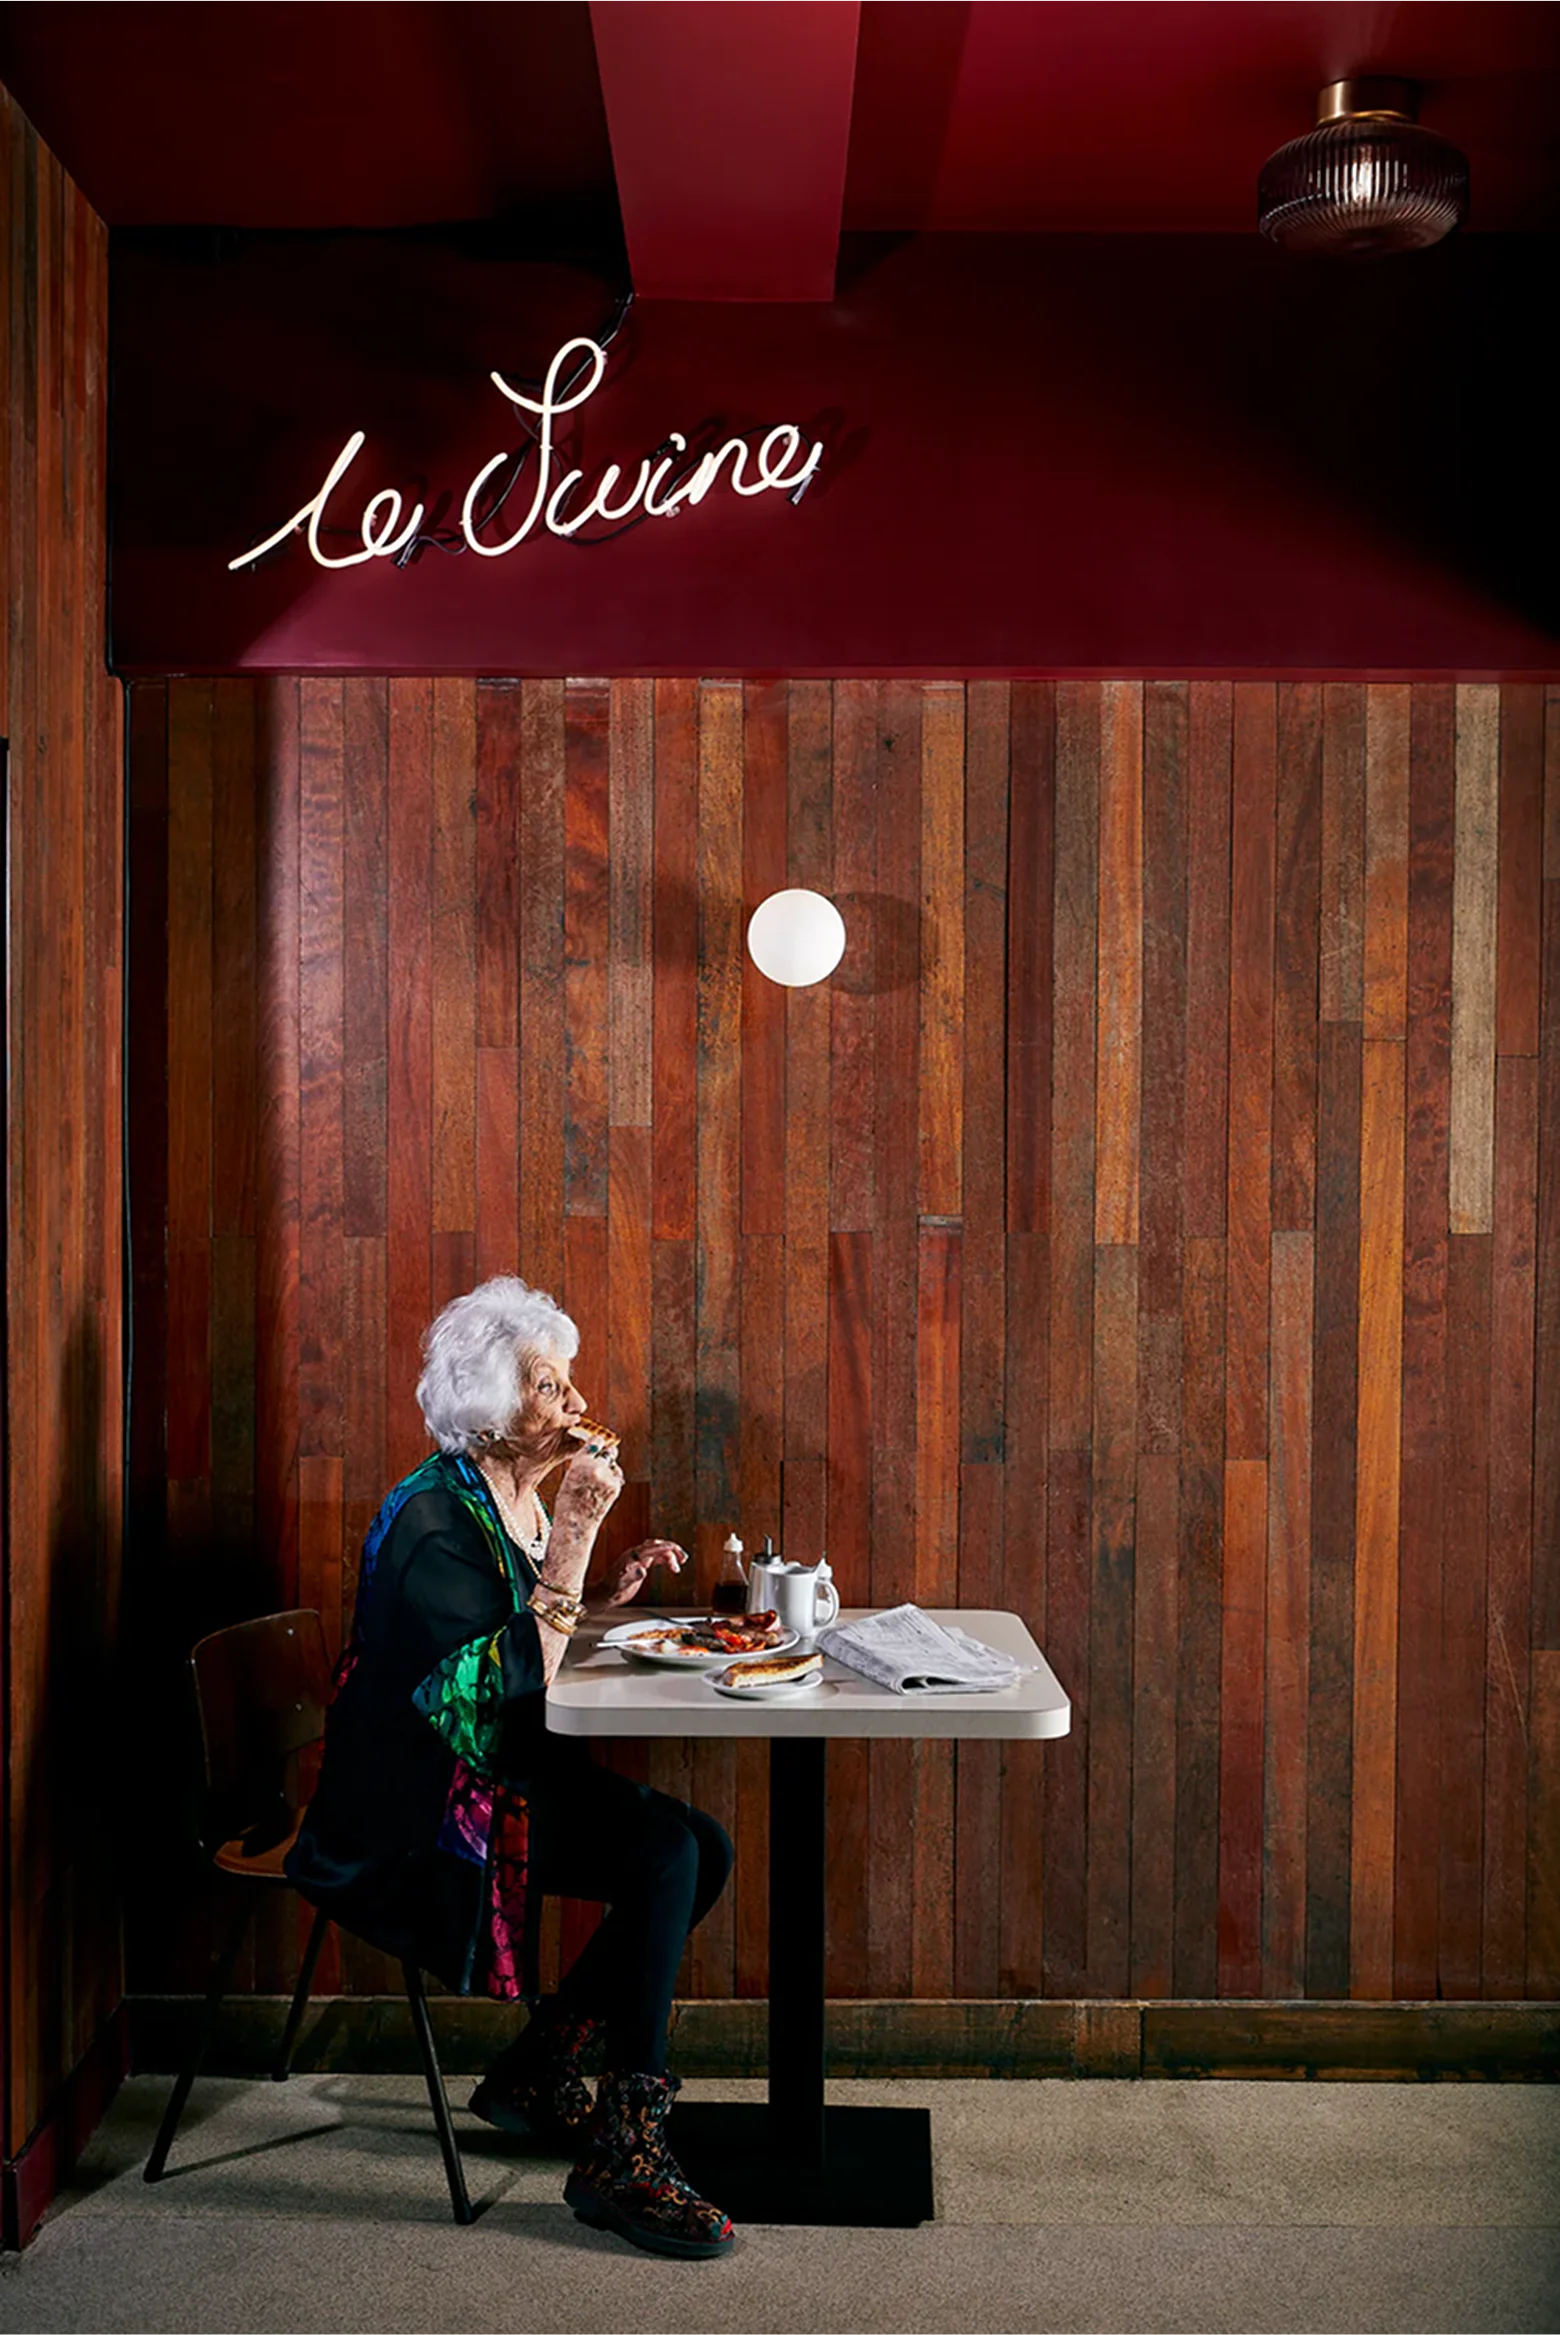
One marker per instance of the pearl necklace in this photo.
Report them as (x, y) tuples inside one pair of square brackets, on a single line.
[(531, 1545)]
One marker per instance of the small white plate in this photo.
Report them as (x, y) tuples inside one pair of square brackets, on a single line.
[(778, 1692), (625, 1639)]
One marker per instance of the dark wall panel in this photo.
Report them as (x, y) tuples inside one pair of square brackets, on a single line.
[(63, 954)]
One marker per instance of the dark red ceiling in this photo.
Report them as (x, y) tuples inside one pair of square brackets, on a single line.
[(897, 115), (286, 114), (1140, 119)]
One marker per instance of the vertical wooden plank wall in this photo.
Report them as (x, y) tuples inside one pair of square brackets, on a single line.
[(1154, 1226), (60, 712)]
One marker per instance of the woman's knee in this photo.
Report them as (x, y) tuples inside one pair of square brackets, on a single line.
[(666, 1851), (686, 1854), (716, 1856)]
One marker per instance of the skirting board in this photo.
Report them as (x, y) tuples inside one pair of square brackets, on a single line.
[(32, 2179), (1403, 2042)]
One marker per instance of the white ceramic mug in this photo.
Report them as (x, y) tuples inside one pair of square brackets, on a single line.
[(805, 1598)]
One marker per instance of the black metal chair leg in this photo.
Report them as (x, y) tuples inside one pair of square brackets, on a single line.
[(460, 2203), (220, 1980), (300, 2001)]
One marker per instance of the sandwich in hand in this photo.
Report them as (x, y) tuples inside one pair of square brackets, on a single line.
[(592, 1431), (773, 1670)]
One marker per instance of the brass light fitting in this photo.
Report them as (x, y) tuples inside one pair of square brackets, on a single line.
[(1368, 180)]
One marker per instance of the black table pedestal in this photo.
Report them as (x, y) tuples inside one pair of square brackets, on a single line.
[(876, 2171), (795, 2160)]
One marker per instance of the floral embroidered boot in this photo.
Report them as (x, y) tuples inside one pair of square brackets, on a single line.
[(536, 2090), (627, 2179)]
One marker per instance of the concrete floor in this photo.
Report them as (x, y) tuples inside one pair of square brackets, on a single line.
[(1156, 2206)]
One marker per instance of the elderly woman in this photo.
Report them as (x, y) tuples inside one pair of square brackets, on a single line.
[(445, 1810)]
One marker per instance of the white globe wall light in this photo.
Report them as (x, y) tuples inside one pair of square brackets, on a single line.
[(796, 938)]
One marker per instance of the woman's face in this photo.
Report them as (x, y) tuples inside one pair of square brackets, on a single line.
[(550, 1402)]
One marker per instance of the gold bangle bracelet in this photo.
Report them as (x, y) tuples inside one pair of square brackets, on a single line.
[(564, 1597), (541, 1596), (553, 1620)]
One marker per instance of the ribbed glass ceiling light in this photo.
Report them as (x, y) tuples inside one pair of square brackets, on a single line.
[(1366, 180)]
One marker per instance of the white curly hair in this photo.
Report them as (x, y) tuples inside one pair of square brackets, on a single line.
[(470, 1386)]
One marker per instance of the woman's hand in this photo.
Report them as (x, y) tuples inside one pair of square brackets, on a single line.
[(591, 1483), (635, 1569)]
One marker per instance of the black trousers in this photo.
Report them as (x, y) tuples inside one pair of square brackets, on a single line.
[(656, 1864)]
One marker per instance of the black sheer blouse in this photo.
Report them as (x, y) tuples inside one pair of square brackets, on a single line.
[(417, 1838)]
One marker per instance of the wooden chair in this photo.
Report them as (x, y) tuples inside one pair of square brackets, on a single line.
[(261, 1690)]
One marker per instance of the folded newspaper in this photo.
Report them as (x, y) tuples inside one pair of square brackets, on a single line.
[(904, 1649)]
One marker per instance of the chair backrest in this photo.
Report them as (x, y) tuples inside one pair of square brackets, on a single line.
[(261, 1689)]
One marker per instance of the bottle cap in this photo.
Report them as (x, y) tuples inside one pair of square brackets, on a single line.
[(733, 1545)]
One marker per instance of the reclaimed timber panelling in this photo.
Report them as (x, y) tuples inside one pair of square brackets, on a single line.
[(1210, 793), (1464, 1597), (1543, 1917), (1474, 985), (1031, 745), (321, 1194), (943, 863), (1509, 1585), (1378, 1467), (1385, 969), (1426, 1165), (765, 759), (543, 1100), (67, 1798), (1068, 1503), (1546, 1392), (895, 1246), (1004, 1513), (982, 878), (586, 931), (1074, 937), (365, 954), (454, 955), (1086, 1246), (1156, 1600), (809, 865), (1110, 1618), (1250, 1203), (410, 1073), (1334, 1443), (1296, 982), (1242, 1668), (190, 985), (1521, 868), (1341, 969), (1287, 1623), (1119, 1014)]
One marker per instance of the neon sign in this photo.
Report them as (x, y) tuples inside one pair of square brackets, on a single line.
[(782, 463)]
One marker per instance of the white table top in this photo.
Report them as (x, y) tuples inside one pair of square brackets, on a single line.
[(598, 1691)]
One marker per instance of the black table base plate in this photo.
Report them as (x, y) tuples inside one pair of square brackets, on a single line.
[(876, 2173)]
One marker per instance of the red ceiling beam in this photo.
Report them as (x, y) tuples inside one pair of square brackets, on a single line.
[(729, 122)]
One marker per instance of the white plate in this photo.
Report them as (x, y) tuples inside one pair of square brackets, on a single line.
[(624, 1640), (779, 1691)]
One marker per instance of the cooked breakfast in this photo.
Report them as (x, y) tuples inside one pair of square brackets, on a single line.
[(721, 1633), (775, 1670)]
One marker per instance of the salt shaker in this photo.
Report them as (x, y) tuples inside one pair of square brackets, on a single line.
[(761, 1578)]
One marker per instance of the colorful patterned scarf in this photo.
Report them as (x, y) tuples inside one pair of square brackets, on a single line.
[(486, 1822)]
